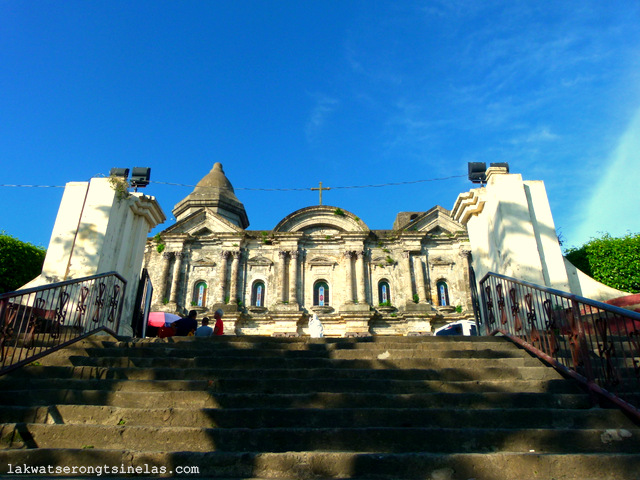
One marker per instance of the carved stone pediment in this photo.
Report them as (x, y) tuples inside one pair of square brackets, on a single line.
[(259, 261), (321, 262), (203, 232), (441, 260), (321, 217), (203, 264), (321, 230)]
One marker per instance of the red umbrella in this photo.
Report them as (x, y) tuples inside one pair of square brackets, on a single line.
[(160, 319)]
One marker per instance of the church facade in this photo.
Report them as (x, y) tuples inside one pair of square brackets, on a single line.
[(321, 259)]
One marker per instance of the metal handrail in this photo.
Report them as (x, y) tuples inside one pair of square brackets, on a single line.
[(37, 321), (596, 343)]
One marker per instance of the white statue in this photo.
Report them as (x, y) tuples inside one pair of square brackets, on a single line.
[(315, 327)]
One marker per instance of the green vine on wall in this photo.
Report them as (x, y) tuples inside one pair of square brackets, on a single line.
[(160, 244), (120, 186)]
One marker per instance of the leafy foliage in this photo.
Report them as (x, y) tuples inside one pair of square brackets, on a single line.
[(20, 262), (612, 261)]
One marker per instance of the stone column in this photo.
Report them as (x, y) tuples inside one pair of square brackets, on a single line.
[(407, 268), (283, 255), (420, 283), (293, 277), (233, 294), (361, 273), (348, 276), (223, 275), (427, 280), (164, 276), (176, 277)]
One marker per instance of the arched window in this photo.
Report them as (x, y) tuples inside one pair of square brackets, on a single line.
[(443, 293), (384, 293), (321, 293), (200, 294), (258, 292)]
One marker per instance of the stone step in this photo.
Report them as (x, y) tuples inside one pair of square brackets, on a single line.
[(288, 385), (208, 399), (369, 439), (294, 363), (37, 376), (371, 339), (266, 417), (208, 344), (376, 407), (323, 465), (348, 354)]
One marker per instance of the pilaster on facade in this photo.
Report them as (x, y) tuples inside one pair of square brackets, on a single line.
[(361, 274), (175, 281), (235, 262), (418, 271), (282, 256), (222, 277), (348, 270), (406, 260), (293, 277)]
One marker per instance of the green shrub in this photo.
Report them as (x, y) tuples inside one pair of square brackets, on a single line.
[(612, 261), (20, 262)]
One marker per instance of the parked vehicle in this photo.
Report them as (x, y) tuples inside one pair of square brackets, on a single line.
[(461, 327)]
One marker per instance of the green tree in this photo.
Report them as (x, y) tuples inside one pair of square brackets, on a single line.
[(612, 261), (20, 262)]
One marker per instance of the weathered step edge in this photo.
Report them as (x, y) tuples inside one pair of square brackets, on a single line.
[(333, 465)]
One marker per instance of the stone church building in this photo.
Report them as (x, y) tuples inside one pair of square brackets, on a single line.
[(320, 259)]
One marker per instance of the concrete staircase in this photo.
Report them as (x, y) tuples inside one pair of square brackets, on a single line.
[(446, 408)]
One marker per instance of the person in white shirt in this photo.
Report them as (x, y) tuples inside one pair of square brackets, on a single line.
[(205, 330)]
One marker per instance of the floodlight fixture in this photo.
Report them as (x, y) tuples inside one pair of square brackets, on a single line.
[(119, 172), (140, 177), (477, 172)]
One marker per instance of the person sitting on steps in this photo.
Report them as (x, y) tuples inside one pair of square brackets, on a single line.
[(218, 329), (186, 325), (205, 330)]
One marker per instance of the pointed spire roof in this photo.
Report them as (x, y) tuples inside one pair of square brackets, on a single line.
[(214, 179), (214, 191)]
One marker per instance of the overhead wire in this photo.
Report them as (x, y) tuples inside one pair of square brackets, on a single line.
[(389, 184)]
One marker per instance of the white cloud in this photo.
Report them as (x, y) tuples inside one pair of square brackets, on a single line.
[(542, 134), (323, 108)]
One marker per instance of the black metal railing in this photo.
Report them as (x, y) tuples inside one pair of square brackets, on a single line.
[(37, 321), (593, 342)]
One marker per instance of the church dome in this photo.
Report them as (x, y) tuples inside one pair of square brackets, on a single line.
[(215, 192)]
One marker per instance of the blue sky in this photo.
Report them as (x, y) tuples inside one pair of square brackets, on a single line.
[(286, 94)]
